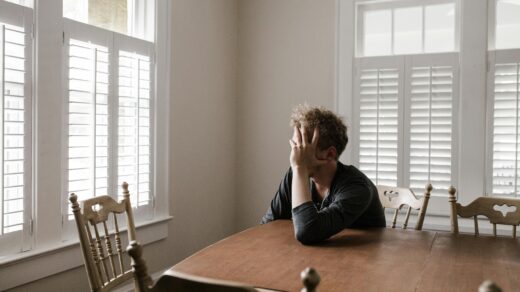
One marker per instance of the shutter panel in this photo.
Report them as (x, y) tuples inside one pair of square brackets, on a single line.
[(14, 92), (134, 142), (505, 129), (88, 119), (378, 124), (431, 100)]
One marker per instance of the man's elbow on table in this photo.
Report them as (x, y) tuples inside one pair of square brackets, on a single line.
[(308, 234)]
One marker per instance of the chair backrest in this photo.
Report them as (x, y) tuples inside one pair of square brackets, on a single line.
[(485, 206), (396, 198), (100, 239), (180, 282)]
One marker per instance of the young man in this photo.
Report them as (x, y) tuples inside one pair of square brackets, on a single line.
[(320, 194)]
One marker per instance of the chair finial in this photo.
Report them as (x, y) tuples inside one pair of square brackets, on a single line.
[(429, 188), (126, 193), (452, 190), (310, 279), (73, 198)]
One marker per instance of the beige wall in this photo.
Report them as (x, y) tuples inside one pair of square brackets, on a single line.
[(286, 57), (203, 120), (203, 132)]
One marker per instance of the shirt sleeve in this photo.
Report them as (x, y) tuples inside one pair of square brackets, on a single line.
[(280, 207), (312, 226)]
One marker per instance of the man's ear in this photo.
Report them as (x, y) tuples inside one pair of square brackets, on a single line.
[(332, 153)]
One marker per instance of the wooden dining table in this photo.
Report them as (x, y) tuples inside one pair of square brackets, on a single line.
[(379, 259)]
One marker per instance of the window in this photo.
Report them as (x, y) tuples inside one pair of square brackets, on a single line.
[(109, 116), (504, 107), (404, 102), (405, 120), (507, 27), (15, 126), (80, 109), (406, 27), (130, 17)]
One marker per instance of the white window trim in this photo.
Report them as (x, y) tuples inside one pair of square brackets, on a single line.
[(26, 267)]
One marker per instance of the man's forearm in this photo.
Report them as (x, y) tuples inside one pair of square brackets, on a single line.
[(300, 186)]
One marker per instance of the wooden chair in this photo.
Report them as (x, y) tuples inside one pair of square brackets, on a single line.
[(396, 198), (104, 263), (180, 282), (484, 206)]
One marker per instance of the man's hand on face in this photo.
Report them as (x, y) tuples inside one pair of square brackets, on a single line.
[(303, 151)]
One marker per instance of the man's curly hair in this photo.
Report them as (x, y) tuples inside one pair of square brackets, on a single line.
[(333, 131)]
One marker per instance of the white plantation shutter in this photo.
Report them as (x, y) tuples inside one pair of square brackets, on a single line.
[(505, 92), (15, 126), (378, 91), (134, 134), (431, 92), (109, 137), (88, 92), (406, 125)]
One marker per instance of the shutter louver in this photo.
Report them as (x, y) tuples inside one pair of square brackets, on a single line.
[(134, 143), (506, 129), (12, 127), (378, 125), (431, 100), (88, 119)]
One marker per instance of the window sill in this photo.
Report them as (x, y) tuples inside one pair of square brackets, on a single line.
[(25, 267)]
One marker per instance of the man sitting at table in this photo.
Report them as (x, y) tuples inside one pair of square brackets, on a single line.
[(322, 195)]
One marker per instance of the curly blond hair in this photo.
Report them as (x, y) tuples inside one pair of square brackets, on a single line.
[(333, 132)]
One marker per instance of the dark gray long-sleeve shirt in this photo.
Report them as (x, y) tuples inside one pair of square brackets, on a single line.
[(352, 202)]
